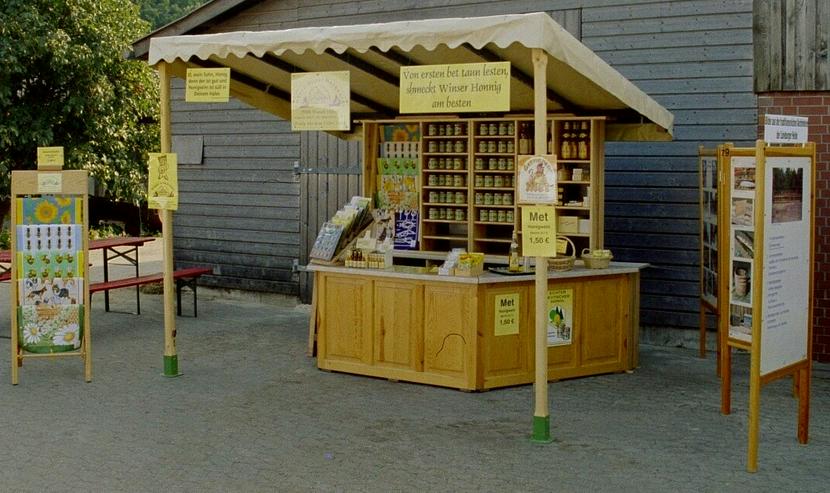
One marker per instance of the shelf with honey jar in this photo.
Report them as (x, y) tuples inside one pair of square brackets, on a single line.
[(445, 185), (577, 143), (493, 215)]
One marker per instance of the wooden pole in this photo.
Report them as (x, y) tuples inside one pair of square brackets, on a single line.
[(171, 359), (541, 415), (15, 344), (757, 310)]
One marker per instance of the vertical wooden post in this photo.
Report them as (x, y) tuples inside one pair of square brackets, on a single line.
[(541, 415), (15, 374), (171, 359)]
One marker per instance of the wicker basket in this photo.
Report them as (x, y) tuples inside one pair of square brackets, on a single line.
[(565, 262), (593, 262)]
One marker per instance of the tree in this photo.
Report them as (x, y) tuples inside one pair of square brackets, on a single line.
[(161, 12), (66, 82)]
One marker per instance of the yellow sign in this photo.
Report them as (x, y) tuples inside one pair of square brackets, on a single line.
[(49, 183), (538, 231), (163, 190), (320, 101), (560, 316), (50, 157), (462, 87), (208, 85), (507, 314)]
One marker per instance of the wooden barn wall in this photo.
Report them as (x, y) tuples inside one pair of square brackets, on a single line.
[(692, 56), (239, 210), (792, 45)]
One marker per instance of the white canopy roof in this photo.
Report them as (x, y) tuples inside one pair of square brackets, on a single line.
[(579, 82)]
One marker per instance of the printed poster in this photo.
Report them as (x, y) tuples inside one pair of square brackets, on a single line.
[(560, 316), (537, 180), (163, 189), (50, 209), (50, 329), (741, 246), (786, 272), (320, 101), (506, 316)]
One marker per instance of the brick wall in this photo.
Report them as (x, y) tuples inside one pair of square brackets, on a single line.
[(815, 106)]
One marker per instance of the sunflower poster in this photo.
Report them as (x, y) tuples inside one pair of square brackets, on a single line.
[(50, 209), (560, 317)]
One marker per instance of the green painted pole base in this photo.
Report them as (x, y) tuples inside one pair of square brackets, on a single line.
[(171, 366), (541, 430)]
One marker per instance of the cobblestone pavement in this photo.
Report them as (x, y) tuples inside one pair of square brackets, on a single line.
[(252, 413)]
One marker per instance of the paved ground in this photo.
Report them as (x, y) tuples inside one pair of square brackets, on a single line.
[(252, 413)]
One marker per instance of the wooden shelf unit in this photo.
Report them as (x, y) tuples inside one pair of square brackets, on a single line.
[(511, 137)]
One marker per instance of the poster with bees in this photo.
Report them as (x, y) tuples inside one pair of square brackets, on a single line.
[(50, 273)]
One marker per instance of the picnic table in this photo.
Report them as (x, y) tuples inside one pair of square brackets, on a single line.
[(126, 248)]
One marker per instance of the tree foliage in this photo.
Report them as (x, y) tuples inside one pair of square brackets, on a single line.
[(65, 82), (161, 12)]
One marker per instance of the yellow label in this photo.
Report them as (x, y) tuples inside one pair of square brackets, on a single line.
[(49, 183), (163, 189), (457, 88), (506, 314), (208, 85), (320, 101), (538, 231), (50, 157)]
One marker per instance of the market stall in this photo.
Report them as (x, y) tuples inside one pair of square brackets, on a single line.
[(452, 179)]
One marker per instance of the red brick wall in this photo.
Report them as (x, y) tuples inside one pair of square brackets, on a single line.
[(815, 106)]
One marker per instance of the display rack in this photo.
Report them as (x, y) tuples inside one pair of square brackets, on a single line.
[(467, 179), (50, 282)]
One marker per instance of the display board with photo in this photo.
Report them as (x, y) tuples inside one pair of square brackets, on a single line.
[(741, 246), (709, 228)]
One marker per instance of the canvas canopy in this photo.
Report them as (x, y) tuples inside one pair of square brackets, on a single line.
[(578, 81)]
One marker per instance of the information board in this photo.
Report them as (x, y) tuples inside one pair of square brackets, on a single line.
[(709, 228), (786, 270), (741, 246)]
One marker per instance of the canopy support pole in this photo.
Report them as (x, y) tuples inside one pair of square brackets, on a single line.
[(541, 415), (171, 359)]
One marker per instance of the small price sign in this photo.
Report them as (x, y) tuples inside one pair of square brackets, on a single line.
[(507, 314), (538, 231)]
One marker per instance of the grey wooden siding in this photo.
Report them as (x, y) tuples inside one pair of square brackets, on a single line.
[(792, 45), (693, 56), (239, 209), (329, 177)]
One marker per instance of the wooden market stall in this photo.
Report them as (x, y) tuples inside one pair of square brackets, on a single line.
[(475, 332)]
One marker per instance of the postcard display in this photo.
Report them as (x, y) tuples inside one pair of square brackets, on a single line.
[(50, 289), (767, 283), (709, 186), (452, 182)]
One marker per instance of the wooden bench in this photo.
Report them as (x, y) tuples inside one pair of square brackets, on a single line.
[(183, 277)]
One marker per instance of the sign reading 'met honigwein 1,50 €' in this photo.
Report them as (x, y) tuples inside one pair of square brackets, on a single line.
[(455, 88)]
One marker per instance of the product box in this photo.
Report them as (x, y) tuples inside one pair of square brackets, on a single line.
[(585, 226), (568, 224)]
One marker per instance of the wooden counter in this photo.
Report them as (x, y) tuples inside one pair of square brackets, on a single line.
[(440, 330)]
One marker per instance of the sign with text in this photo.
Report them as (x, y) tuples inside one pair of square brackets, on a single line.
[(785, 129), (208, 85), (163, 189), (537, 180), (320, 101), (455, 88), (50, 157), (786, 271), (49, 183), (507, 314), (539, 231), (560, 316)]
